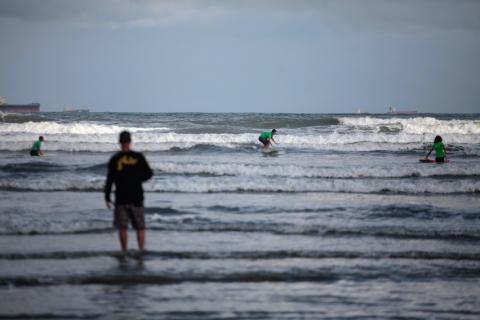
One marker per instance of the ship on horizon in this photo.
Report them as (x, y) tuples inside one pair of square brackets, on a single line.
[(393, 110), (18, 108), (70, 109)]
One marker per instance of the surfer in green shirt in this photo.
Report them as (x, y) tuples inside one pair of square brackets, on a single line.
[(267, 137), (35, 150), (440, 151)]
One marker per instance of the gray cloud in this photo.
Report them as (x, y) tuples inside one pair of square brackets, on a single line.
[(340, 14), (127, 13), (245, 55)]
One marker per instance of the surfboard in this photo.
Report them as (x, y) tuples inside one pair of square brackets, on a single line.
[(270, 152), (431, 160)]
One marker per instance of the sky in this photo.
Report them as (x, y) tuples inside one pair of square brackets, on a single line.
[(268, 56)]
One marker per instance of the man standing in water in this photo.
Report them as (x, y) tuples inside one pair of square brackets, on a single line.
[(128, 170)]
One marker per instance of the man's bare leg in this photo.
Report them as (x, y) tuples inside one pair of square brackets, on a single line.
[(141, 239), (123, 236)]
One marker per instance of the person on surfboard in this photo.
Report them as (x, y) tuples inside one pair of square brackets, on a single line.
[(440, 151), (35, 150), (267, 137)]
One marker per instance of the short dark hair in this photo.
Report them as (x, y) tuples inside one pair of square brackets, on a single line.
[(274, 130), (125, 137), (437, 139), (40, 138)]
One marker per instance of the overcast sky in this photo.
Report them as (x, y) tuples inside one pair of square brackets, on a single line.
[(242, 55)]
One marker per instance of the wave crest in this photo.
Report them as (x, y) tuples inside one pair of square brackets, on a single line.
[(350, 134), (417, 125)]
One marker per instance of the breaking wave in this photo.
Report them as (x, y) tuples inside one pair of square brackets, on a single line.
[(80, 128), (418, 125), (199, 184), (350, 134), (313, 171)]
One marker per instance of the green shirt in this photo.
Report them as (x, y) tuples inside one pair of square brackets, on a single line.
[(36, 145), (266, 135), (439, 149)]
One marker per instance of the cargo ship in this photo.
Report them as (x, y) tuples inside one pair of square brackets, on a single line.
[(18, 108)]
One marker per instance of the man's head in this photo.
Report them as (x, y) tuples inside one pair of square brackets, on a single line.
[(40, 138), (125, 139), (274, 131)]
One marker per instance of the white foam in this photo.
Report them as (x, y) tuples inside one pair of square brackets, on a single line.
[(417, 125), (198, 184), (80, 128), (312, 170), (353, 134), (229, 184)]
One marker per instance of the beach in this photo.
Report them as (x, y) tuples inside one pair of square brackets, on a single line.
[(341, 222)]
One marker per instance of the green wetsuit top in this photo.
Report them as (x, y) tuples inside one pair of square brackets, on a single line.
[(439, 149), (36, 145), (266, 135)]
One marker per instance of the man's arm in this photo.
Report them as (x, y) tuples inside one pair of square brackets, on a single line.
[(428, 154), (108, 185), (148, 173)]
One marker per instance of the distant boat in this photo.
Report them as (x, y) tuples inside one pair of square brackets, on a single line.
[(18, 108), (360, 111), (70, 109), (393, 110)]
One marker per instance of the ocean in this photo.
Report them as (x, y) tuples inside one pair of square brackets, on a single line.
[(341, 222)]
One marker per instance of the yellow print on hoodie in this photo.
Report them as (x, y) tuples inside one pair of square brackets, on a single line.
[(126, 161)]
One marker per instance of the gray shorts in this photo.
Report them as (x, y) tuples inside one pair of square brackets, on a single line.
[(125, 212)]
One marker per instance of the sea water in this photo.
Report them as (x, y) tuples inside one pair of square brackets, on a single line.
[(341, 222)]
